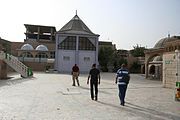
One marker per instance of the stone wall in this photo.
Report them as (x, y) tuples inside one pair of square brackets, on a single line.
[(169, 69)]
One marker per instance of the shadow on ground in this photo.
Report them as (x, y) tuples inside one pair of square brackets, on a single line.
[(13, 81), (142, 111)]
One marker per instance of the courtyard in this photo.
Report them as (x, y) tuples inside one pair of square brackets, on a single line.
[(51, 96)]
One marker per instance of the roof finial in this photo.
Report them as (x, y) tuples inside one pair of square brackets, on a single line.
[(76, 12), (168, 34)]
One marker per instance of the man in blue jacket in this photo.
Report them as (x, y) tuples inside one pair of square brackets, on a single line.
[(122, 79)]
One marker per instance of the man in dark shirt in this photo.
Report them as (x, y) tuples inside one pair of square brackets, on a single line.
[(75, 74), (94, 74)]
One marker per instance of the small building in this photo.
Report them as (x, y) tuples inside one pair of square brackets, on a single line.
[(38, 47), (76, 44), (106, 44), (162, 62)]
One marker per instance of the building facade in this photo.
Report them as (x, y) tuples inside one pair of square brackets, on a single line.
[(38, 47), (162, 62), (76, 44)]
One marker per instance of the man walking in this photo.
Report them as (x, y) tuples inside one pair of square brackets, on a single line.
[(122, 79), (94, 74), (75, 74)]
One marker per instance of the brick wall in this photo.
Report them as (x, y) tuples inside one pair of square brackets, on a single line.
[(36, 66)]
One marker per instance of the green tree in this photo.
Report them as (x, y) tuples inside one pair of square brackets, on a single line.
[(138, 51), (105, 57), (135, 68)]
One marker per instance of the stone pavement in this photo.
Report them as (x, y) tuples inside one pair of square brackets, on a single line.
[(51, 97)]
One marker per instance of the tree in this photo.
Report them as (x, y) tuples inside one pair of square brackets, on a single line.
[(135, 68), (105, 57), (138, 51)]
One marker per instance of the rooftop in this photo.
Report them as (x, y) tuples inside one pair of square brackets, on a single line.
[(76, 26)]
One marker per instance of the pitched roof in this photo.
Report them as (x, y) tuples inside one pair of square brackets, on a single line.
[(76, 26)]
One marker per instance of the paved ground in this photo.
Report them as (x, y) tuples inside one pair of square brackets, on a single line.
[(51, 97)]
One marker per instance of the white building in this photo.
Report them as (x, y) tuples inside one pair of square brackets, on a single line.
[(76, 44)]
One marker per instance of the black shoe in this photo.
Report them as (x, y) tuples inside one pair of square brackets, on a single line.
[(96, 99), (122, 104), (73, 85), (92, 98)]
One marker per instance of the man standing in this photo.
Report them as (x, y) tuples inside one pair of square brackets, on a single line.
[(94, 74), (122, 79), (75, 74)]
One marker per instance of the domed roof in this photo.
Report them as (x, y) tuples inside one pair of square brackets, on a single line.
[(157, 58), (162, 42), (27, 47), (41, 48)]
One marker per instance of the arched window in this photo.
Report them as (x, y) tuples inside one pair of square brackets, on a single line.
[(41, 48), (152, 69), (26, 54), (27, 47), (41, 57)]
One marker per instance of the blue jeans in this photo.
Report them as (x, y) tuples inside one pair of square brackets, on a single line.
[(122, 92)]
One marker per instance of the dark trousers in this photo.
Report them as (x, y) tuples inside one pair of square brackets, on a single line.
[(122, 93), (94, 85)]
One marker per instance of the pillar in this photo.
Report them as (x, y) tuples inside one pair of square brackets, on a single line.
[(38, 36), (77, 51), (96, 53)]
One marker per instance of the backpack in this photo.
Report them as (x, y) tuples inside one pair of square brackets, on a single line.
[(125, 76)]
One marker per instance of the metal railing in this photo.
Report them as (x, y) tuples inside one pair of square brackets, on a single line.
[(16, 64)]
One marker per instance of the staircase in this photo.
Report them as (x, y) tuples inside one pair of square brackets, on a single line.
[(17, 65)]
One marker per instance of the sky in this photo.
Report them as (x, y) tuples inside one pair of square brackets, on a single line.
[(126, 23)]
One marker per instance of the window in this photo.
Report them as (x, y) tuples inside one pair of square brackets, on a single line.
[(85, 44), (68, 44), (52, 54), (86, 59), (26, 54), (41, 55), (66, 58)]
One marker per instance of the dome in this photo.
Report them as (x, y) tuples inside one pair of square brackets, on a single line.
[(27, 47), (41, 48), (157, 58), (161, 43)]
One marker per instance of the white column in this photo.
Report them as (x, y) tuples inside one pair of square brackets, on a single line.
[(56, 52), (96, 54), (77, 51)]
